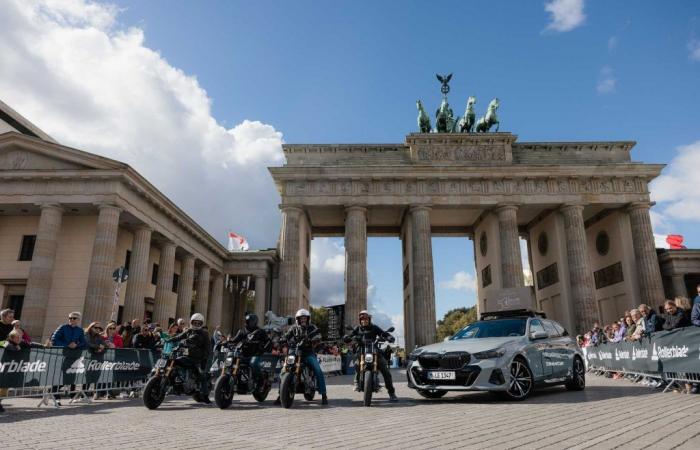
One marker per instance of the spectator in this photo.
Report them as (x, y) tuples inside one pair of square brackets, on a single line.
[(112, 338), (639, 322), (173, 330), (144, 339), (6, 318), (674, 317), (135, 327), (17, 326), (618, 333), (630, 325), (15, 341), (69, 334), (695, 313), (597, 335), (181, 324), (684, 304), (127, 334), (93, 337), (652, 322), (217, 335)]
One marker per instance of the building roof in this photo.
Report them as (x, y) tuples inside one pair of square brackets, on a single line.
[(21, 124)]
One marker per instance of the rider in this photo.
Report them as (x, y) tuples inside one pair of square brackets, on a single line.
[(197, 342), (367, 331), (305, 332), (255, 341)]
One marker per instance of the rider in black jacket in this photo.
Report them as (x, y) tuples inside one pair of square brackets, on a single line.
[(197, 343), (255, 341), (367, 331)]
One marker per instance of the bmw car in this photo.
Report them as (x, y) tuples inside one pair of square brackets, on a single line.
[(508, 352)]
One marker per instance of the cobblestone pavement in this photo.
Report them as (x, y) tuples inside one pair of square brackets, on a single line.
[(608, 414)]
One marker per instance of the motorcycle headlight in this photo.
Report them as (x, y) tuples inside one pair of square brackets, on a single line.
[(369, 358), (229, 361), (490, 354), (291, 359)]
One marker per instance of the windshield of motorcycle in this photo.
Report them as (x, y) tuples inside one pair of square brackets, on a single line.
[(493, 329)]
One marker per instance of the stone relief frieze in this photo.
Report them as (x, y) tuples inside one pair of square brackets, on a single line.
[(598, 185), (460, 153)]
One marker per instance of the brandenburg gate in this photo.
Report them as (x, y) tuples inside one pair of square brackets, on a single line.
[(582, 208)]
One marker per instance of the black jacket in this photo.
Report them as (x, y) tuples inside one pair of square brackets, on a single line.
[(141, 341), (677, 320), (368, 333), (297, 333), (197, 341), (255, 341), (5, 329)]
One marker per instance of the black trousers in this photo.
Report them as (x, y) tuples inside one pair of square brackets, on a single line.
[(383, 368), (195, 365)]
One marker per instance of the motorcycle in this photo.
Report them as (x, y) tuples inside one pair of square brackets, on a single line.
[(237, 377), (368, 369), (167, 377), (296, 377)]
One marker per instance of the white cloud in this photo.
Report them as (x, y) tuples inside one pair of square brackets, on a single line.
[(461, 281), (565, 14), (613, 42), (68, 67), (670, 190), (694, 49), (606, 81)]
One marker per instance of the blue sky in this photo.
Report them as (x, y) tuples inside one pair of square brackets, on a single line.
[(257, 73)]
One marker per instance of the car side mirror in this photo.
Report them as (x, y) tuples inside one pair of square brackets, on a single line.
[(390, 330), (536, 335)]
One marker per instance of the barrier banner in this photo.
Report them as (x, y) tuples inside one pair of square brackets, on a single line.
[(330, 363), (60, 366), (665, 351)]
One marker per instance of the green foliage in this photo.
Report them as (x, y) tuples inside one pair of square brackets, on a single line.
[(319, 317), (455, 320)]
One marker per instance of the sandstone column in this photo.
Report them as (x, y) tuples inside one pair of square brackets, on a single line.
[(423, 278), (134, 306), (355, 263), (184, 288), (511, 262), (99, 294), (202, 291), (260, 298), (679, 288), (580, 275), (216, 302), (36, 297), (162, 308), (290, 261), (651, 289)]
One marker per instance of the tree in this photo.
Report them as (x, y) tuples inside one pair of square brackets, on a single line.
[(319, 317), (455, 320)]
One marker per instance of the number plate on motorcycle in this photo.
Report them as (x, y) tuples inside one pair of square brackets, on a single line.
[(441, 376)]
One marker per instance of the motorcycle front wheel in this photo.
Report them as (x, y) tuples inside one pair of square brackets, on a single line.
[(369, 388), (261, 391), (287, 389), (154, 393), (223, 391)]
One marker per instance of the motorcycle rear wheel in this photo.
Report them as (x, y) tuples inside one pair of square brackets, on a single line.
[(153, 393), (369, 388), (223, 391), (287, 389)]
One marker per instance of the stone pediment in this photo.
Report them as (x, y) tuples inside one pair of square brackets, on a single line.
[(19, 152)]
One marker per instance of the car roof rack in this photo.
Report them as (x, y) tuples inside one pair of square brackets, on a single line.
[(512, 313)]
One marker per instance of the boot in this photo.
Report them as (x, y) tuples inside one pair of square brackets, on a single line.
[(393, 397), (324, 399), (205, 399)]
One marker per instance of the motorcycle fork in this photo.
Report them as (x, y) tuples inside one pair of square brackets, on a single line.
[(235, 368), (362, 362), (169, 368), (374, 366)]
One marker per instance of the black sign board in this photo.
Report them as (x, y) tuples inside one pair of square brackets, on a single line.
[(336, 316)]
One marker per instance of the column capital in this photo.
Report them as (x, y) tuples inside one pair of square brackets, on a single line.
[(639, 205), (143, 227), (506, 207), (356, 208), (291, 209), (189, 257), (51, 205), (167, 243), (572, 207), (414, 208), (107, 206)]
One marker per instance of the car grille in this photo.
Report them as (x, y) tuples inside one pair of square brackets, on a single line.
[(463, 377), (447, 360)]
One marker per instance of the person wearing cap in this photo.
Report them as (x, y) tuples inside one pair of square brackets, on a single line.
[(367, 331), (305, 332)]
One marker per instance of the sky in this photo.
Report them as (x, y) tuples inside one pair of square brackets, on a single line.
[(208, 91)]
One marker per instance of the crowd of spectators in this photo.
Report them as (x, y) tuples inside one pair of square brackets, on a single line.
[(641, 322)]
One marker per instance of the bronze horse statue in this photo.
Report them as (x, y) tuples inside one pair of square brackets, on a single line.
[(490, 119), (423, 118)]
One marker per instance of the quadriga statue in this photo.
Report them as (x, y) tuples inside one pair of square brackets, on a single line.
[(490, 119), (423, 118)]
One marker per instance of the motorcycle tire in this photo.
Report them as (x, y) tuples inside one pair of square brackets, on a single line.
[(260, 396), (369, 388), (153, 393), (223, 392), (287, 390)]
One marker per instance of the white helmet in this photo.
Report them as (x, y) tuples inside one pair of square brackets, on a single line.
[(302, 313), (196, 317)]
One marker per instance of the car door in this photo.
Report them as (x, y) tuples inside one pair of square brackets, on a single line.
[(537, 351), (557, 351)]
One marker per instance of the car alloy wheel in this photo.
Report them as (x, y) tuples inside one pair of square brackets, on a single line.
[(578, 377), (521, 381)]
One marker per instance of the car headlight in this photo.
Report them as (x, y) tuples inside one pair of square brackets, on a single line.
[(490, 354), (414, 354)]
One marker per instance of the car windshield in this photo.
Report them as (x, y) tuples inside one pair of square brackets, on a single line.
[(493, 328)]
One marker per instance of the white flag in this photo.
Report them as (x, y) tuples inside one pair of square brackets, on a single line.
[(236, 242)]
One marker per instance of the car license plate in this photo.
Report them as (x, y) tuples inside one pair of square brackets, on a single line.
[(441, 376)]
